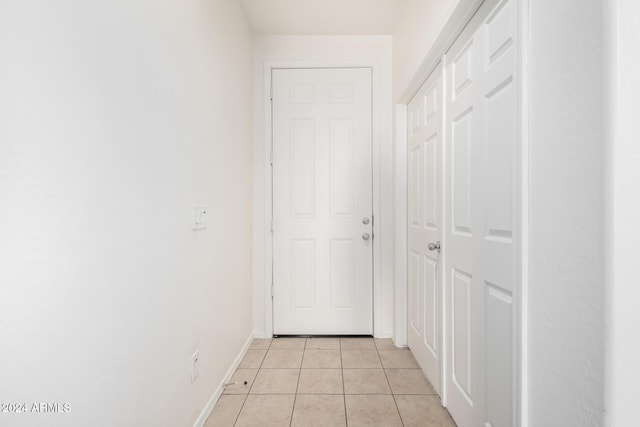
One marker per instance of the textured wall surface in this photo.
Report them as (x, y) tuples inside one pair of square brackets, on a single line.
[(566, 214), (116, 118), (417, 28)]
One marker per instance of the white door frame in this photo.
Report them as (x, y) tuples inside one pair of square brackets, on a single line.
[(268, 236), (453, 28)]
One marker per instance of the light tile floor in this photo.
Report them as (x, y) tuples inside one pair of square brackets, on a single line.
[(328, 382)]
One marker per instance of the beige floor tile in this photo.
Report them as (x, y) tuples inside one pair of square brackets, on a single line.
[(225, 412), (240, 376), (323, 343), (288, 343), (360, 359), (319, 411), (283, 359), (275, 381), (365, 381), (260, 344), (320, 381), (357, 343), (398, 358), (408, 381), (253, 359), (316, 359), (266, 411), (420, 411), (384, 344), (372, 411)]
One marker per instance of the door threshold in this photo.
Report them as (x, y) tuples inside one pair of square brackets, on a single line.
[(322, 336)]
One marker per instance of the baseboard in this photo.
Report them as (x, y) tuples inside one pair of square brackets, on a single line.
[(218, 392), (259, 335), (383, 334)]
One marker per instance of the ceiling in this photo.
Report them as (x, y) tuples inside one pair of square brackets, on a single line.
[(322, 17)]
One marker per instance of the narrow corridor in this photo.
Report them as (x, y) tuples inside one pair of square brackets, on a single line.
[(328, 382)]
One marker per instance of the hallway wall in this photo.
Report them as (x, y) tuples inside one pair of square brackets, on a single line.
[(417, 29), (566, 199), (116, 117)]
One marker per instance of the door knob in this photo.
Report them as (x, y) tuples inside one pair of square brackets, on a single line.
[(365, 236), (434, 246), (365, 220)]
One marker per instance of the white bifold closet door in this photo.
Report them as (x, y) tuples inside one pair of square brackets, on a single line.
[(322, 201), (425, 227), (482, 197)]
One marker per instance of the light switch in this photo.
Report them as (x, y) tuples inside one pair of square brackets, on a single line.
[(199, 217)]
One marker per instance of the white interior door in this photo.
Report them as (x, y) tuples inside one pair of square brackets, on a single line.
[(482, 232), (322, 201), (425, 227)]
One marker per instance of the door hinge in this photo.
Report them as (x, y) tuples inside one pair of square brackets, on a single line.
[(271, 93), (373, 220), (271, 158), (272, 290)]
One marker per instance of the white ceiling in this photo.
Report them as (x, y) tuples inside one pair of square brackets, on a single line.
[(322, 17)]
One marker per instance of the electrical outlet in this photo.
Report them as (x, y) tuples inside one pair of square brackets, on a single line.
[(195, 365)]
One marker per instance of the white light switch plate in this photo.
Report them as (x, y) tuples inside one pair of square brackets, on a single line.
[(199, 217)]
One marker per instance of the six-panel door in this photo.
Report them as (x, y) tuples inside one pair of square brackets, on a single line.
[(322, 201), (481, 206)]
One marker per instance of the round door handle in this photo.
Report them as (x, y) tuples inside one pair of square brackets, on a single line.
[(366, 236), (365, 220), (434, 246)]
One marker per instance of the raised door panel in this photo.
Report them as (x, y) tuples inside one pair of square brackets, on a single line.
[(341, 160), (499, 361), (303, 281), (461, 334), (460, 167), (302, 183), (342, 267), (431, 181)]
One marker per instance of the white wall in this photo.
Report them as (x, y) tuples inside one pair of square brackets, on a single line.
[(622, 350), (332, 51), (116, 117), (566, 214), (417, 28)]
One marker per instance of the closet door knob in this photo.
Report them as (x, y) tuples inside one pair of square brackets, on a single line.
[(434, 246)]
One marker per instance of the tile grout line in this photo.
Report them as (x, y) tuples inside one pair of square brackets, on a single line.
[(393, 395), (253, 382), (344, 390), (295, 396)]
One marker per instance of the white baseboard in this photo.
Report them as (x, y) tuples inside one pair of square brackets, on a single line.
[(218, 392), (383, 334), (260, 335)]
